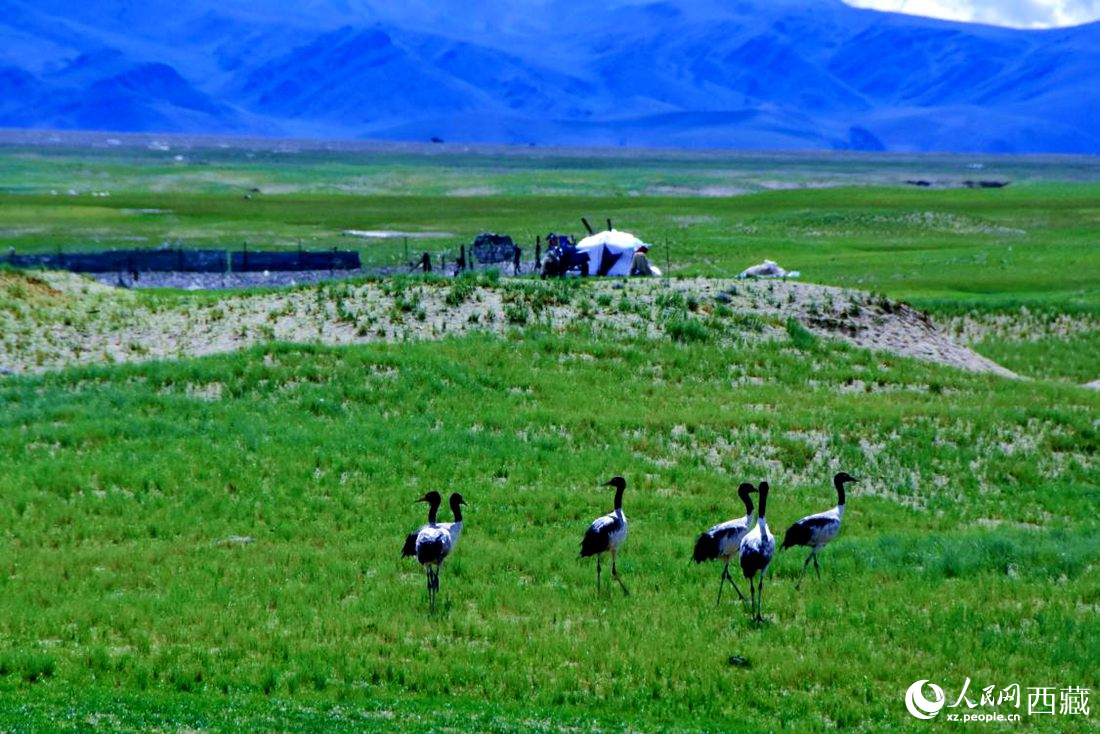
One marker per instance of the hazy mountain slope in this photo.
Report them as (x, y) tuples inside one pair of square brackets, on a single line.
[(751, 73)]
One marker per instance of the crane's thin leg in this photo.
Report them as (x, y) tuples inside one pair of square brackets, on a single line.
[(615, 574), (733, 583), (752, 591), (598, 564), (803, 574), (722, 583), (431, 589), (760, 602), (817, 567)]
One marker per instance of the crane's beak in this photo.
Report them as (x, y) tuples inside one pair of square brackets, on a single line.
[(422, 499)]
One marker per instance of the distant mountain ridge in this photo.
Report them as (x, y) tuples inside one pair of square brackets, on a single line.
[(747, 73)]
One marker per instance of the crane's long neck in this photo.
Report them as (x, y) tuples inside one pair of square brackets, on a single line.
[(748, 506), (619, 498), (839, 484), (433, 508)]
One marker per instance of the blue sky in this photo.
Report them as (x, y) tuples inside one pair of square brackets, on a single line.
[(1014, 13)]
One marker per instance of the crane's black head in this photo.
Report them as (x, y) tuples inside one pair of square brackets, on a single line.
[(432, 498), (762, 488), (844, 477), (617, 482)]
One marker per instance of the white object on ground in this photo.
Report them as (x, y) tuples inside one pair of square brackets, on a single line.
[(384, 234), (768, 269)]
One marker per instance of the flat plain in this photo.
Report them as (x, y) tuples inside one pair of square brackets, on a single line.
[(207, 538)]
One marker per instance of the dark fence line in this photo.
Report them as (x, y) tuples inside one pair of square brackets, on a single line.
[(251, 261), (134, 261), (187, 261)]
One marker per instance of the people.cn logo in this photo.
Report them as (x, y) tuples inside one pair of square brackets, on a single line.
[(920, 706)]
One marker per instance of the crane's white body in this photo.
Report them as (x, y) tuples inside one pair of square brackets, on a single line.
[(729, 535), (612, 525)]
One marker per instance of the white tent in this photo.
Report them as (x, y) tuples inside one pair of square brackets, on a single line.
[(610, 252)]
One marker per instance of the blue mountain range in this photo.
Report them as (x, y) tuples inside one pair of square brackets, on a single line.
[(734, 73)]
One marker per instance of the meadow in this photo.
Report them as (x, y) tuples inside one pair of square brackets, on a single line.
[(212, 544), (846, 220)]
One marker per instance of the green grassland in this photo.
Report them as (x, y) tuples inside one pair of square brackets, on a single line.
[(213, 544), (1031, 243), (969, 551)]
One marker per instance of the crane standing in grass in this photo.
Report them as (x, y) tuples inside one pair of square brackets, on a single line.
[(723, 541), (757, 550), (434, 542), (816, 531), (606, 534)]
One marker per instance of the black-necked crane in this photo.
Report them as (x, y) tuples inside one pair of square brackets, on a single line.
[(434, 500), (432, 543), (722, 541), (757, 551), (606, 534), (816, 531)]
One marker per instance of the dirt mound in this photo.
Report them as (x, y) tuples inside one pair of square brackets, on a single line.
[(89, 323), (18, 286)]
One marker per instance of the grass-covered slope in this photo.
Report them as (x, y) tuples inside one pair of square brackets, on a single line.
[(215, 543), (53, 320)]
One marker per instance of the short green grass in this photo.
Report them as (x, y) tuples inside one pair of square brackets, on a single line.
[(124, 493), (1073, 359)]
